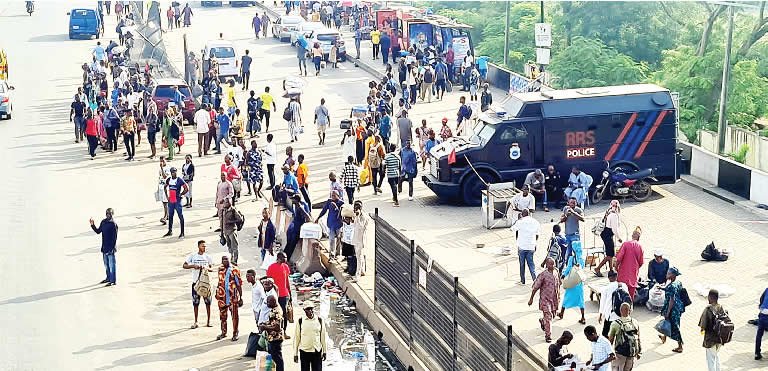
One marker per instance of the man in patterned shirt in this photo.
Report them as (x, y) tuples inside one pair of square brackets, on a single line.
[(274, 329), (350, 178), (229, 294)]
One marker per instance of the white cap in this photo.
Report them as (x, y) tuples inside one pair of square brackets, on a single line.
[(658, 252)]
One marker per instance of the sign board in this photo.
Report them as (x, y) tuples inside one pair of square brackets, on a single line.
[(543, 34), (460, 47), (422, 277), (542, 56)]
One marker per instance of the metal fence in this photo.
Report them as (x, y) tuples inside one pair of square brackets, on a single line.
[(441, 320)]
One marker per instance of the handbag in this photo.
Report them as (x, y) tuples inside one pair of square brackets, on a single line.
[(269, 259), (222, 240), (203, 284), (158, 195), (598, 228), (664, 327), (181, 139), (263, 340), (236, 185), (575, 277), (289, 311)]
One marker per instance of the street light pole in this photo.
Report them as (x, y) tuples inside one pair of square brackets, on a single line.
[(506, 38), (721, 121)]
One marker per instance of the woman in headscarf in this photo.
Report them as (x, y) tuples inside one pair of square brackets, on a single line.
[(574, 297), (610, 232), (168, 123), (673, 308)]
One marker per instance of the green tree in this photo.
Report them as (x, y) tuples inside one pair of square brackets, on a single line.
[(589, 62), (523, 16)]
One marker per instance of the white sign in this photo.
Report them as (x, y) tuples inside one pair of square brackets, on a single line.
[(543, 34), (542, 56), (460, 47), (422, 277), (514, 152)]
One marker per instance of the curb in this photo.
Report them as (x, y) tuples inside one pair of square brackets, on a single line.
[(725, 196)]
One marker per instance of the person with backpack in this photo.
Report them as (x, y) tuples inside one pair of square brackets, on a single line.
[(441, 78), (463, 114), (427, 80), (608, 305), (674, 306), (309, 345), (625, 337), (717, 328), (233, 221), (200, 263), (376, 155)]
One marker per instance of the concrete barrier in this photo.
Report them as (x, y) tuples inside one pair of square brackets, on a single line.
[(739, 179)]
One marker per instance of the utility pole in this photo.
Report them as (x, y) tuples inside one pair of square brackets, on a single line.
[(721, 121), (506, 38), (541, 20)]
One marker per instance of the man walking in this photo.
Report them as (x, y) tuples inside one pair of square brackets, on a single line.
[(629, 260), (245, 63), (606, 314), (270, 158), (322, 120), (225, 191), (253, 104), (310, 344), (175, 189), (350, 178), (333, 208), (200, 263), (256, 24), (273, 327), (527, 232), (265, 23), (233, 222), (375, 40), (229, 294), (762, 324), (280, 272), (77, 115), (405, 128), (202, 121), (712, 341), (548, 285), (625, 337), (267, 101), (224, 123), (108, 231)]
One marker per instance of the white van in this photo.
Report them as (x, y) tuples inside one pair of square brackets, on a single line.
[(226, 55)]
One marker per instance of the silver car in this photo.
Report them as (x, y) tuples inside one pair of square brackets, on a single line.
[(285, 25), (306, 29), (6, 103)]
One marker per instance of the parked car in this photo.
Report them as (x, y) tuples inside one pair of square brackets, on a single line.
[(84, 22), (6, 103), (283, 26), (226, 55), (326, 37), (162, 94), (306, 29), (211, 3)]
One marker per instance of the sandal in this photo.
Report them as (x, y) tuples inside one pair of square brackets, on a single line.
[(678, 350), (194, 326), (221, 336), (234, 337), (597, 273), (583, 321)]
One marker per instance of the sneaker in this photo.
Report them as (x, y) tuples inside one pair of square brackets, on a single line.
[(758, 357), (410, 198), (397, 204)]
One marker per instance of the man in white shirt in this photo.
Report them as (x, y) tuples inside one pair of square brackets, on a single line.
[(259, 296), (521, 201), (202, 121), (198, 262), (607, 315), (602, 351), (527, 232), (270, 159)]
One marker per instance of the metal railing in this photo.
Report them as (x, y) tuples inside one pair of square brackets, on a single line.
[(440, 319), (148, 47)]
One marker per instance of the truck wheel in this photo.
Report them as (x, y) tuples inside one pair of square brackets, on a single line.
[(471, 187), (641, 191)]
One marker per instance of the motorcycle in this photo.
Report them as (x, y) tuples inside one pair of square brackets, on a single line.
[(30, 7), (623, 182)]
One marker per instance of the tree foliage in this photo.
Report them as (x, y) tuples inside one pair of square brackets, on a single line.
[(589, 62)]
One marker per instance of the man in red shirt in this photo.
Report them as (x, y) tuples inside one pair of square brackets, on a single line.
[(279, 272), (629, 260)]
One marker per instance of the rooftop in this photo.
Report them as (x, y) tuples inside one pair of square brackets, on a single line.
[(603, 91)]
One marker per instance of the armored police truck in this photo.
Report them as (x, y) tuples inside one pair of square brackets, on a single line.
[(632, 126)]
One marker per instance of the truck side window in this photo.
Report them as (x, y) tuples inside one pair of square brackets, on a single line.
[(512, 134)]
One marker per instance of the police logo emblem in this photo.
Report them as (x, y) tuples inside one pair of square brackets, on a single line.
[(514, 151)]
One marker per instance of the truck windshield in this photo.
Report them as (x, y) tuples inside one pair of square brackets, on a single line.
[(167, 92), (482, 133)]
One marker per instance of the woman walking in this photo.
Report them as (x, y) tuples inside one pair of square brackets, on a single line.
[(255, 172), (673, 308), (574, 297), (317, 57), (188, 175), (610, 232), (91, 133), (164, 172)]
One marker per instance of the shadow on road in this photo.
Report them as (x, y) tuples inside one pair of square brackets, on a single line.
[(137, 342), (48, 38), (50, 294)]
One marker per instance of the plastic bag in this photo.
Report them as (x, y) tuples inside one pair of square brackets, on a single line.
[(664, 327), (269, 259)]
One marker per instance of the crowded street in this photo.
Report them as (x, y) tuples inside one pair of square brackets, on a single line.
[(57, 313)]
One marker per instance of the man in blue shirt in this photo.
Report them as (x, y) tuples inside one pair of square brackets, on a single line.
[(577, 183), (409, 168), (178, 98), (333, 208), (245, 66), (385, 43), (223, 134), (762, 324), (99, 53), (482, 66), (108, 231), (301, 214), (289, 187), (358, 37)]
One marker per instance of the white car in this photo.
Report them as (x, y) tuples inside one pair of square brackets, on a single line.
[(283, 26), (305, 29), (226, 55), (6, 103)]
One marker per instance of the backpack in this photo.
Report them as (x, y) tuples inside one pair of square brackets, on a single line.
[(619, 297), (288, 113), (429, 76), (203, 284), (684, 298), (239, 223), (554, 252), (628, 344), (469, 113), (373, 157), (711, 253), (723, 326)]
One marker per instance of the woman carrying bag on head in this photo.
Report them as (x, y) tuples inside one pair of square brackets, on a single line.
[(610, 224)]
